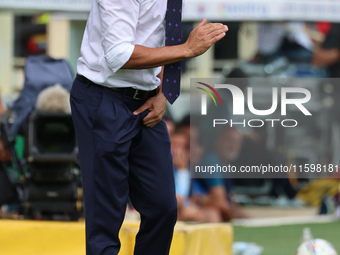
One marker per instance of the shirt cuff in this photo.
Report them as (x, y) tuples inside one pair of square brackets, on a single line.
[(118, 55)]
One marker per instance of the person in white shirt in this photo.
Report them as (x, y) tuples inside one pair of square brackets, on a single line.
[(117, 107)]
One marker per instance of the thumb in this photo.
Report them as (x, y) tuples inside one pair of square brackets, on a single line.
[(203, 22), (140, 109)]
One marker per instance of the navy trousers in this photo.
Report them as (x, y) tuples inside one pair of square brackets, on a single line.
[(120, 158)]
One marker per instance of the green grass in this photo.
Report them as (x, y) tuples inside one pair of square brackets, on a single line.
[(284, 240)]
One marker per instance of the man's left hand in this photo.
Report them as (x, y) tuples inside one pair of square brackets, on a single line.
[(156, 105)]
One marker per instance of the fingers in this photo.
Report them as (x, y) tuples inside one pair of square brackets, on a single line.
[(217, 38), (215, 28), (211, 33), (156, 106), (143, 108), (203, 36), (203, 22), (152, 119), (212, 29), (215, 31)]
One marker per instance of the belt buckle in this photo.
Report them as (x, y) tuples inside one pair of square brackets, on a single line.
[(135, 96)]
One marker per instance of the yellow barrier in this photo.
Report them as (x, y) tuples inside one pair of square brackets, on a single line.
[(68, 238)]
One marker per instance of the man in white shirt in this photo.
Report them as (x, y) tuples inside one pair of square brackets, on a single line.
[(117, 108)]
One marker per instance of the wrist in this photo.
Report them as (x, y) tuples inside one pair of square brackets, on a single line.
[(186, 50), (160, 97), (160, 93)]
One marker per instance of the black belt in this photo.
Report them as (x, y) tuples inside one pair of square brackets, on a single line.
[(131, 92)]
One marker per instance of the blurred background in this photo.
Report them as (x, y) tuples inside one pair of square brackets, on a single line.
[(266, 39)]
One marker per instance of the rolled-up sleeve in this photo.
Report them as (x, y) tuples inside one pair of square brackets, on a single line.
[(119, 19)]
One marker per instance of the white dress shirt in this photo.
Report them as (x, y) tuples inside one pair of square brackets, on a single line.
[(113, 29)]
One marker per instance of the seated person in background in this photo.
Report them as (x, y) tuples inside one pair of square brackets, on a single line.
[(187, 210), (227, 148), (208, 192), (54, 99)]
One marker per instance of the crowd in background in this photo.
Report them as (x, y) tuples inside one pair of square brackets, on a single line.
[(214, 199)]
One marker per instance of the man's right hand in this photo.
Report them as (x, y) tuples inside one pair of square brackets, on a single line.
[(204, 36)]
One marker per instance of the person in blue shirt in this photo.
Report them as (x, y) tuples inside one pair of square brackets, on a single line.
[(219, 187)]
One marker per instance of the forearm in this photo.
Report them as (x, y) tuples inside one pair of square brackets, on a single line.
[(199, 41), (144, 57)]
